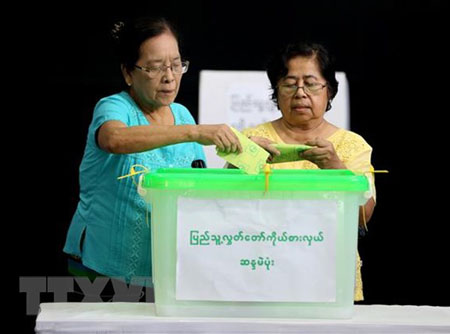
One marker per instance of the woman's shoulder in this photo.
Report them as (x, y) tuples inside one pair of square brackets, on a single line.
[(348, 135), (120, 100), (349, 141)]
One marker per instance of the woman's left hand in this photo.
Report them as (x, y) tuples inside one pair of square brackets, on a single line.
[(322, 154)]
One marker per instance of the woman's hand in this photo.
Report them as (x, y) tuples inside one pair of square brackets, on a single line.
[(267, 145), (323, 154), (220, 135)]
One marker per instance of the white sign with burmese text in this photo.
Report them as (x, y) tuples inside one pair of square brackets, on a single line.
[(256, 250)]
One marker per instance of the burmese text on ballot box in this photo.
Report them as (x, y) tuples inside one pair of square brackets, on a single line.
[(229, 244)]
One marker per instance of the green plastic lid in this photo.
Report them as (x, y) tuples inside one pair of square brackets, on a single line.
[(235, 179)]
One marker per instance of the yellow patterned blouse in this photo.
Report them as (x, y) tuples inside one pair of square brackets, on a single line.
[(353, 151)]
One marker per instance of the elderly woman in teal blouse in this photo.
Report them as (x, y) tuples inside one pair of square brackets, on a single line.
[(109, 233)]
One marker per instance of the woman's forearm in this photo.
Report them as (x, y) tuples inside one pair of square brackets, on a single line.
[(134, 139), (116, 137)]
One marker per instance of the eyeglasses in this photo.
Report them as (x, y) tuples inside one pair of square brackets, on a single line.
[(310, 88), (154, 71)]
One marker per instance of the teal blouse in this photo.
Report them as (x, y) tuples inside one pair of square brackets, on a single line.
[(110, 230)]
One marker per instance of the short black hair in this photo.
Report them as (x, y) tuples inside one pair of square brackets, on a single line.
[(277, 66), (130, 35)]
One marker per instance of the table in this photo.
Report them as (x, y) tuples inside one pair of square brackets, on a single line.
[(140, 318)]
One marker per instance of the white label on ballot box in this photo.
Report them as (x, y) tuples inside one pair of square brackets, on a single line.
[(256, 250)]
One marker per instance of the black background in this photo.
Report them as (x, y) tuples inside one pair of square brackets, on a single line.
[(61, 62)]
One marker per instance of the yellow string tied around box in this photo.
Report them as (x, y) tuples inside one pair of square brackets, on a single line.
[(370, 171), (267, 172), (133, 172)]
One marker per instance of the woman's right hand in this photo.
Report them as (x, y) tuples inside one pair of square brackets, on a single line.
[(220, 135)]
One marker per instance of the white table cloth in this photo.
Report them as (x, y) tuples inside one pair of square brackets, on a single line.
[(140, 318)]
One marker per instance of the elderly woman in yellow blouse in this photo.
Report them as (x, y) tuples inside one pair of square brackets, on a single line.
[(303, 80)]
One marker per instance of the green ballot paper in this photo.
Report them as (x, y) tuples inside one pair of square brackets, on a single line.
[(289, 152), (251, 160)]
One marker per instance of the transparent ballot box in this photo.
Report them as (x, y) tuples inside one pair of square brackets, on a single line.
[(228, 244)]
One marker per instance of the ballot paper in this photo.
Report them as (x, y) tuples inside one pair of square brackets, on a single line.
[(252, 158), (289, 152)]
